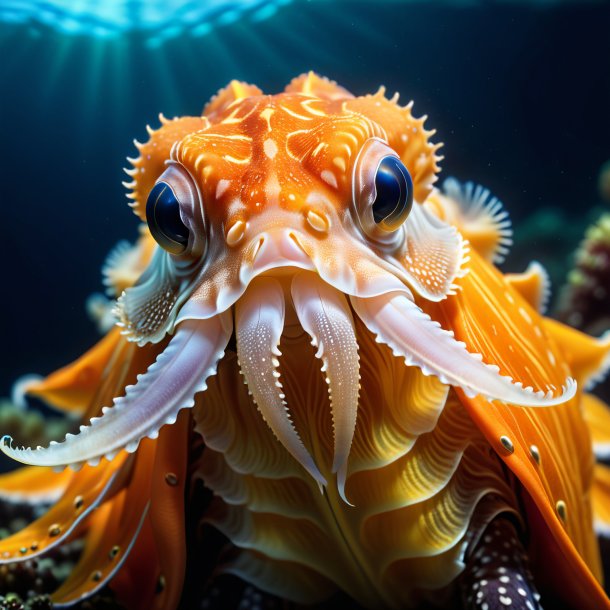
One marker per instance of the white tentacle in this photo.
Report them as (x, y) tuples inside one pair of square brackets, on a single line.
[(169, 385), (259, 322), (325, 315), (399, 323)]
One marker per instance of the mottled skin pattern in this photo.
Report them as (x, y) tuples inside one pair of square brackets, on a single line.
[(379, 462)]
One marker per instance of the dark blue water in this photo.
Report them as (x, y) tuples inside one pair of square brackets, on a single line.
[(519, 95)]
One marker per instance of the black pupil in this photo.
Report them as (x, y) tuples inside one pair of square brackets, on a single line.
[(164, 221), (394, 192)]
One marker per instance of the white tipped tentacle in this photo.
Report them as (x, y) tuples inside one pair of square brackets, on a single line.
[(400, 324), (169, 385), (259, 322), (325, 315)]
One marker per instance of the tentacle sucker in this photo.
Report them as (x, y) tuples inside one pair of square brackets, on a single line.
[(325, 315), (169, 385), (259, 322), (399, 323)]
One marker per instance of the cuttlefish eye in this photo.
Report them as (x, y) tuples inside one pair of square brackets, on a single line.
[(164, 220), (382, 193), (175, 213), (393, 194)]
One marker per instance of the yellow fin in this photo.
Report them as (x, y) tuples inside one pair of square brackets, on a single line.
[(600, 499), (597, 415), (534, 285), (319, 86), (588, 357), (235, 90)]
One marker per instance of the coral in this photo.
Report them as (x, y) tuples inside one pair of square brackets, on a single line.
[(585, 299), (26, 585), (31, 425)]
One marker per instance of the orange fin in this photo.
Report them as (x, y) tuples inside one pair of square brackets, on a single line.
[(600, 499), (167, 508), (235, 90), (150, 163), (34, 484), (86, 490), (588, 357), (597, 415), (142, 567), (138, 535), (101, 559), (319, 86), (534, 285), (112, 531), (546, 448), (72, 387), (158, 559)]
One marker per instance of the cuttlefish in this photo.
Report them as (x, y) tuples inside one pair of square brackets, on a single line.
[(383, 412)]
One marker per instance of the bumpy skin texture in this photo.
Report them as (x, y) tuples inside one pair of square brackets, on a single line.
[(371, 463)]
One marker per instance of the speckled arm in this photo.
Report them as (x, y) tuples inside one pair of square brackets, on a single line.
[(497, 575)]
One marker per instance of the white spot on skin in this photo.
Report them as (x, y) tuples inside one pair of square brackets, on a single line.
[(329, 178), (221, 187), (273, 189), (270, 148), (316, 199), (266, 114), (234, 207), (340, 163), (525, 315)]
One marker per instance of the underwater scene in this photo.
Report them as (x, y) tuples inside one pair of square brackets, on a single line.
[(306, 304)]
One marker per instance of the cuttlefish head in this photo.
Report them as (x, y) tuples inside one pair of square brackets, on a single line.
[(301, 209)]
